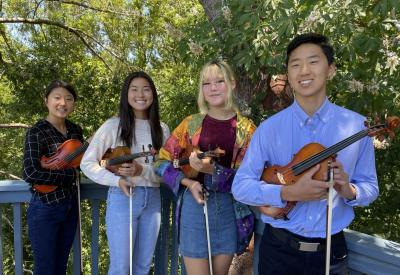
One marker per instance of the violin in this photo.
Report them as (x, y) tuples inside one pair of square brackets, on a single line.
[(68, 155), (313, 154), (113, 158), (216, 153)]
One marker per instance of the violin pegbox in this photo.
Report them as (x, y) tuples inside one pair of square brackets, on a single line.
[(379, 130), (146, 160), (153, 151)]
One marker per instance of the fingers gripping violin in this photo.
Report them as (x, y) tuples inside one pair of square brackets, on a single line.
[(313, 154)]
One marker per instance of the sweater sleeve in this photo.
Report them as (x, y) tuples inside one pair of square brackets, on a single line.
[(102, 140)]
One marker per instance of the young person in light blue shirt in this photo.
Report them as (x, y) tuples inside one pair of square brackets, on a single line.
[(295, 244)]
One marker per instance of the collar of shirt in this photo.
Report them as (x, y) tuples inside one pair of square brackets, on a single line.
[(322, 114)]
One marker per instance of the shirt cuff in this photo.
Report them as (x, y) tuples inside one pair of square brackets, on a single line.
[(272, 195), (355, 201)]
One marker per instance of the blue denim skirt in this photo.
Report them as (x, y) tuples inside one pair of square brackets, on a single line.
[(221, 219)]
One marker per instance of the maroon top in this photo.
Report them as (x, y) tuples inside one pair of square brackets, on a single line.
[(219, 133)]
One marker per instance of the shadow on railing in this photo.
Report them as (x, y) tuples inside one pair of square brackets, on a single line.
[(367, 254), (16, 192)]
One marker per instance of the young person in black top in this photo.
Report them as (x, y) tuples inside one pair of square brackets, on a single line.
[(53, 216)]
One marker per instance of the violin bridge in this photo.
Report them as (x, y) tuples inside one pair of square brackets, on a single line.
[(281, 178), (103, 163)]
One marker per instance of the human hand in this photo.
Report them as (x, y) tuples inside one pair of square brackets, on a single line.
[(126, 185), (306, 188), (202, 165), (132, 169), (341, 182), (196, 189)]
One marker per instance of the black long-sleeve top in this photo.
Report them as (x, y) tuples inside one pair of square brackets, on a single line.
[(43, 139)]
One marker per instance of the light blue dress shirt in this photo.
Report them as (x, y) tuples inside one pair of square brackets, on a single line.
[(281, 136)]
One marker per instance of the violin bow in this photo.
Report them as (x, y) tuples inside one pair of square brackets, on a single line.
[(79, 222), (205, 209), (130, 231), (329, 203), (131, 192)]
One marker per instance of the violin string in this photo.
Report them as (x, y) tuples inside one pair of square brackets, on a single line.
[(306, 164), (330, 151), (313, 160)]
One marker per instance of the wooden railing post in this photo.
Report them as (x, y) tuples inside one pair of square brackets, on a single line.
[(18, 238), (95, 236), (1, 241)]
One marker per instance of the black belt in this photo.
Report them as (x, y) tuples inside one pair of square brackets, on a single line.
[(303, 243)]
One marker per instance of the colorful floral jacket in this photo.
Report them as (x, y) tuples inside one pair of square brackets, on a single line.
[(182, 141)]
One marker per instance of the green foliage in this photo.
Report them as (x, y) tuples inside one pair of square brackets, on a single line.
[(382, 218), (96, 43)]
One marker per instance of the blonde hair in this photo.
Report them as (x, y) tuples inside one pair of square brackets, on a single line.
[(216, 67)]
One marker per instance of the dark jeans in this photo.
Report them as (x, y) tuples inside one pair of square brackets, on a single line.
[(279, 258), (51, 230)]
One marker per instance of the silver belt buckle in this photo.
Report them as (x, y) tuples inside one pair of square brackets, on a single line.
[(308, 247)]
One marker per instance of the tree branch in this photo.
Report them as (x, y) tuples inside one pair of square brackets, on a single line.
[(136, 13), (76, 32), (3, 34), (14, 125), (10, 175)]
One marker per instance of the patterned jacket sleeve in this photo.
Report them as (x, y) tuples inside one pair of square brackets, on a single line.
[(173, 148)]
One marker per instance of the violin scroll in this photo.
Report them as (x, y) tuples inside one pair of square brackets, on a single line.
[(392, 123), (378, 130)]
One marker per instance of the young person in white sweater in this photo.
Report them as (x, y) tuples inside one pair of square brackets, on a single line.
[(138, 124)]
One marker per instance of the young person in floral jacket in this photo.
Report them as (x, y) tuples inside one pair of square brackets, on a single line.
[(218, 125)]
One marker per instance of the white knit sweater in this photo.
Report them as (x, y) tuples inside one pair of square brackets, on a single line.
[(105, 138)]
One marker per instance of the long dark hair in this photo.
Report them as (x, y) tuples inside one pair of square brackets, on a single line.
[(127, 116)]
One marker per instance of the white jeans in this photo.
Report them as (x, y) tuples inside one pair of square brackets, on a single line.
[(145, 227)]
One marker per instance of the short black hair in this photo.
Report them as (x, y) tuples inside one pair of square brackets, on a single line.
[(313, 38), (60, 84)]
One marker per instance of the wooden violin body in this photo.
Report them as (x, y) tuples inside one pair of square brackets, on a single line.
[(287, 175), (68, 155), (311, 155), (113, 158)]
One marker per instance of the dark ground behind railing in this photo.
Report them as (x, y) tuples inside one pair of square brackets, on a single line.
[(367, 254)]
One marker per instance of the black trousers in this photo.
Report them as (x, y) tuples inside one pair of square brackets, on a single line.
[(51, 230), (279, 254)]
